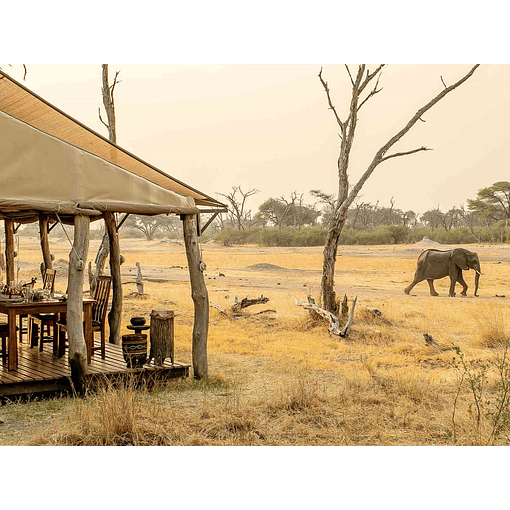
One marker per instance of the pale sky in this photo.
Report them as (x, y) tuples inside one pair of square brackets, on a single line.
[(268, 127)]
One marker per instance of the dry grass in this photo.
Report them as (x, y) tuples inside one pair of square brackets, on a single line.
[(280, 379)]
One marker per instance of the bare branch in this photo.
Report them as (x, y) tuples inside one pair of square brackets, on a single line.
[(406, 153), (100, 118), (111, 88), (326, 88), (349, 73), (370, 77), (26, 71), (372, 93), (379, 156), (347, 328), (444, 83)]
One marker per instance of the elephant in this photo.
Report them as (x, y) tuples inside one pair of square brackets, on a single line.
[(435, 264)]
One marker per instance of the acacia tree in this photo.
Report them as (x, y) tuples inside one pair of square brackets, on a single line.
[(360, 94), (493, 202)]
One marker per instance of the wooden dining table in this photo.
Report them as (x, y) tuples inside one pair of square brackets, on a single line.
[(13, 306)]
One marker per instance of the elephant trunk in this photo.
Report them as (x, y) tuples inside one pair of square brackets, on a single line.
[(477, 279)]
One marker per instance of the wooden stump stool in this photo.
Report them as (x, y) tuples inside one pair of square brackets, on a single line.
[(162, 336)]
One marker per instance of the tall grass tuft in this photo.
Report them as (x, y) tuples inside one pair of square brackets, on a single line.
[(492, 323)]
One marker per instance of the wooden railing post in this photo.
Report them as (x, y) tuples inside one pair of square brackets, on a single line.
[(199, 295)]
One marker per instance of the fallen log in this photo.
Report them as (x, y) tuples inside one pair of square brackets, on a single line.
[(334, 322), (236, 310), (246, 302)]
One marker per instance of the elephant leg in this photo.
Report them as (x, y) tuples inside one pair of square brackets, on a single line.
[(431, 286), (461, 280), (454, 277), (417, 279)]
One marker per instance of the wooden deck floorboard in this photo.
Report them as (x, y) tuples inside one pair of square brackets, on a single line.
[(43, 371)]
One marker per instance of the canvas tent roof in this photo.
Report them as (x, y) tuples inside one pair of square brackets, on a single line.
[(48, 159)]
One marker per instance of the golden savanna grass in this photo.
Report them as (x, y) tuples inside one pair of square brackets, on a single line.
[(280, 378)]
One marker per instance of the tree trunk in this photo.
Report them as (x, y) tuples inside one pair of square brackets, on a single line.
[(9, 251), (102, 253), (45, 244), (115, 315), (328, 294), (77, 345), (199, 295), (162, 336)]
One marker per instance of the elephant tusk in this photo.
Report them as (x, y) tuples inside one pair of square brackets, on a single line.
[(480, 273)]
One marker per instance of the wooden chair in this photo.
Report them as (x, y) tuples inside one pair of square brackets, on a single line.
[(99, 309), (4, 332), (42, 327)]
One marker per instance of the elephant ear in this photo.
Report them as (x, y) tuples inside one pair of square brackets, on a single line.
[(459, 258)]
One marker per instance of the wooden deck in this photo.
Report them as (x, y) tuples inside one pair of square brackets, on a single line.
[(42, 372)]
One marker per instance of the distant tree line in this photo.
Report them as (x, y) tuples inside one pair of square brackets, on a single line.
[(289, 221)]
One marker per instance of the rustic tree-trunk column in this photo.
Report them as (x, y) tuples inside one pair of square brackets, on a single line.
[(115, 315), (199, 295), (77, 345), (9, 251), (45, 243)]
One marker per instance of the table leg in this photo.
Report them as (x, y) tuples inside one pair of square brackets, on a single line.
[(13, 340)]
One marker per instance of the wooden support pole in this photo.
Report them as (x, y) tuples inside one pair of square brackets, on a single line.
[(115, 315), (77, 345), (9, 251), (45, 244), (199, 295)]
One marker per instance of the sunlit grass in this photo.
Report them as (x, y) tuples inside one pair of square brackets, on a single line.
[(284, 379)]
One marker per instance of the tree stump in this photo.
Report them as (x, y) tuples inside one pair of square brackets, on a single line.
[(162, 336)]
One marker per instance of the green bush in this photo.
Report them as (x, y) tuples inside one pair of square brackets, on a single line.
[(384, 234)]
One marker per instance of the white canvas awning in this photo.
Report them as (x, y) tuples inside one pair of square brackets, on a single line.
[(51, 162)]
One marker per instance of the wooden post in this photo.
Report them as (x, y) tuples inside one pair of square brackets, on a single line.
[(77, 345), (162, 336), (199, 295), (9, 251), (45, 244), (115, 315), (139, 279)]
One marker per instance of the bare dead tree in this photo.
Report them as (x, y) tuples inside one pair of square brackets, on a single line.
[(238, 204), (111, 229), (109, 103), (362, 91), (109, 106)]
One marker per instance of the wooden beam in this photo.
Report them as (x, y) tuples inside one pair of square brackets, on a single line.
[(121, 222), (45, 244), (209, 221), (76, 338), (51, 227), (144, 209), (115, 314), (9, 251), (200, 297)]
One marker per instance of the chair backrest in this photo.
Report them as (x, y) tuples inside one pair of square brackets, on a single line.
[(49, 279), (101, 295)]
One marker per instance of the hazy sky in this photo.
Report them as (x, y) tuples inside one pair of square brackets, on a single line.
[(268, 127)]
